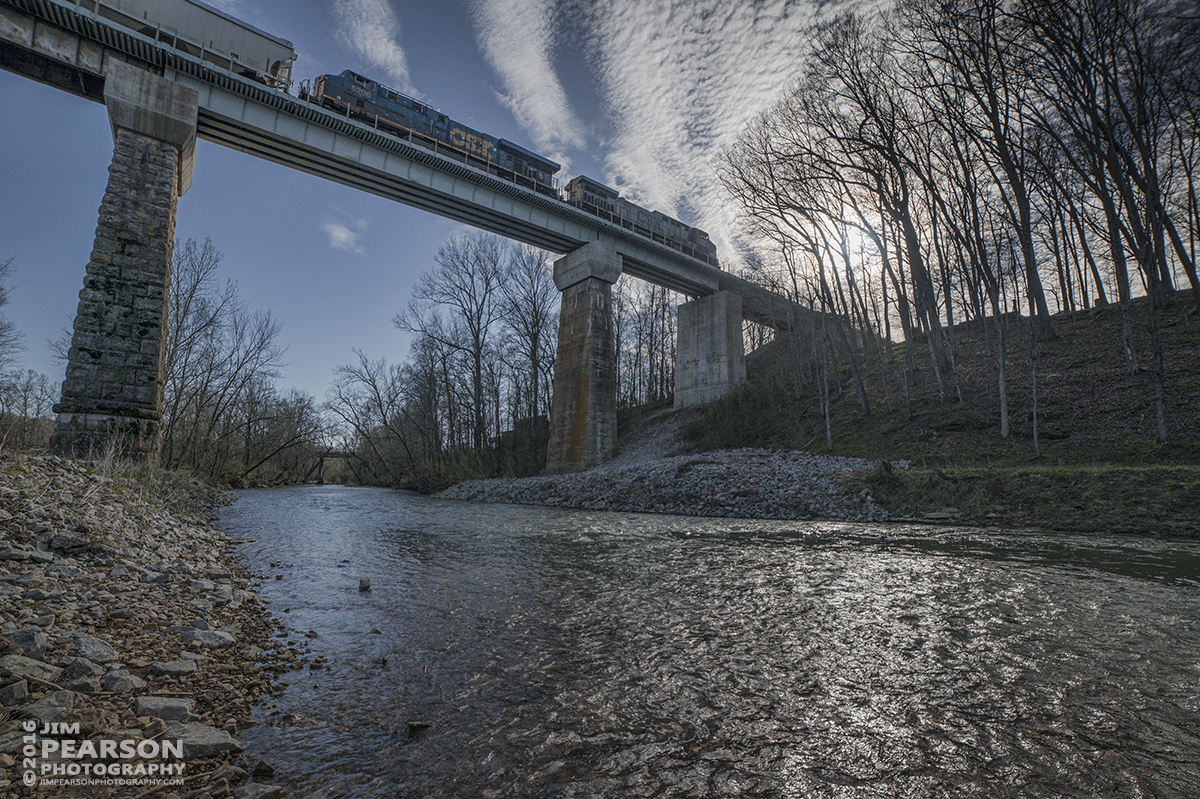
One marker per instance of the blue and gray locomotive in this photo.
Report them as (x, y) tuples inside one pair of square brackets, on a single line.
[(358, 97), (368, 101)]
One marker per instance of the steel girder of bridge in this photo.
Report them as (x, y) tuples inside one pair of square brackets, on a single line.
[(61, 43)]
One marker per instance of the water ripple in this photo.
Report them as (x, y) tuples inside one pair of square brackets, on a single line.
[(575, 654)]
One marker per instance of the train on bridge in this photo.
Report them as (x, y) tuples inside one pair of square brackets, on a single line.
[(389, 111), (221, 41)]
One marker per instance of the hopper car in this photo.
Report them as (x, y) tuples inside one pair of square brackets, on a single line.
[(203, 32)]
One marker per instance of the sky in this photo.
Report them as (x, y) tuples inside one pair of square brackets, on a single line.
[(640, 94)]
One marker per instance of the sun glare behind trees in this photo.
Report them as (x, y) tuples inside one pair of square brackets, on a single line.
[(999, 157)]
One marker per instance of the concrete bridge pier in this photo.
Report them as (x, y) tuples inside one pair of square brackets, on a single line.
[(710, 355), (583, 420), (112, 397)]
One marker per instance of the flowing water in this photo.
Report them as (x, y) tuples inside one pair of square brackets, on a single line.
[(564, 653)]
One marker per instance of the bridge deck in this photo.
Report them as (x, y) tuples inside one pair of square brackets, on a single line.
[(246, 116)]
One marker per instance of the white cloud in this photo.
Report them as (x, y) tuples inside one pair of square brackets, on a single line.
[(515, 37), (345, 237), (372, 29), (680, 82)]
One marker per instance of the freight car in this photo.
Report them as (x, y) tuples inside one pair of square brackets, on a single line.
[(605, 202), (368, 101), (358, 97), (203, 32)]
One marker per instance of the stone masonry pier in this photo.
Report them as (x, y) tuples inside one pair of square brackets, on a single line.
[(583, 421), (709, 358), (112, 394)]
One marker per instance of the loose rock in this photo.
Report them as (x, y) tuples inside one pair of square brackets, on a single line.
[(174, 668), (50, 707), (95, 650), (14, 694), (21, 667), (258, 791), (26, 640), (167, 708), (201, 740), (93, 570), (748, 483)]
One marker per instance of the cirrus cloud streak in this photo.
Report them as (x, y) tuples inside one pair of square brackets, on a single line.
[(515, 37), (372, 30), (681, 82)]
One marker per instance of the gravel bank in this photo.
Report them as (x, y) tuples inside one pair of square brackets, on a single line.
[(122, 612), (744, 483)]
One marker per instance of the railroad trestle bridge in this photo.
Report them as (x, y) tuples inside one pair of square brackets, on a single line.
[(161, 98)]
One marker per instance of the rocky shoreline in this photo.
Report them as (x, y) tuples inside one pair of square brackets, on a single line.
[(132, 646), (741, 483)]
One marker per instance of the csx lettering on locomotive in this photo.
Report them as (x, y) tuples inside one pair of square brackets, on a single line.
[(470, 142)]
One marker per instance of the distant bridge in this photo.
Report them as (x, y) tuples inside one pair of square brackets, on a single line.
[(165, 95), (319, 466)]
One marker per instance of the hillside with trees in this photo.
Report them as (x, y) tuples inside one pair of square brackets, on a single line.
[(963, 162)]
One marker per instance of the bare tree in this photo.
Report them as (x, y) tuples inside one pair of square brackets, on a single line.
[(11, 341), (970, 56), (220, 359), (369, 398), (1120, 77), (26, 402), (467, 284), (529, 302)]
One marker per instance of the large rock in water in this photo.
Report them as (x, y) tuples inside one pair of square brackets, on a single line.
[(201, 740)]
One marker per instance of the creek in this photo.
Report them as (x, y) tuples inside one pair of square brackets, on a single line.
[(516, 651)]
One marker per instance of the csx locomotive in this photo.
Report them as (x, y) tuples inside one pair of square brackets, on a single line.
[(368, 101), (361, 98)]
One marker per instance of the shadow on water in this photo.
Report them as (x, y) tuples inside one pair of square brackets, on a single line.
[(521, 651)]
